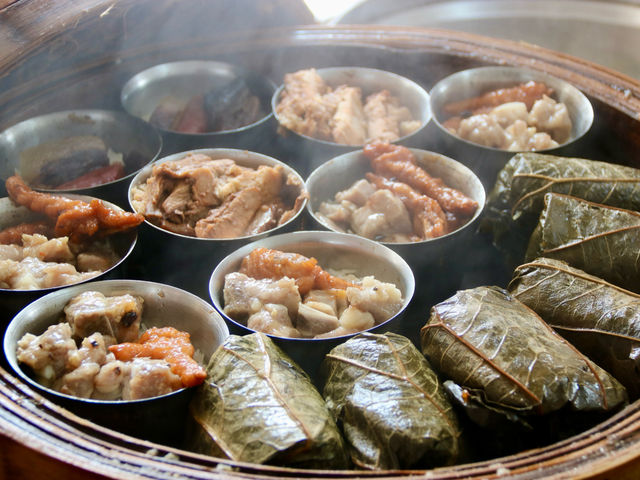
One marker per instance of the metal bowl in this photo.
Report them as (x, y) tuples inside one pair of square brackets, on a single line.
[(158, 418), (315, 151), (337, 251), (145, 90), (10, 214), (487, 161), (341, 172), (138, 141), (186, 261)]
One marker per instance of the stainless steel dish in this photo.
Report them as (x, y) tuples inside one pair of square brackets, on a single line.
[(314, 151), (158, 418), (187, 261), (336, 251), (10, 214), (341, 172), (487, 161), (142, 93), (137, 141)]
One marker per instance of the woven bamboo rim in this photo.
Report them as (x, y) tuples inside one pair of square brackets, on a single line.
[(611, 450)]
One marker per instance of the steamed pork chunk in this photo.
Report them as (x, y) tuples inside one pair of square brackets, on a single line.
[(39, 262), (118, 317), (206, 198), (387, 118), (305, 106), (382, 215), (74, 357), (348, 123), (310, 107), (397, 202), (47, 354), (521, 118), (380, 299), (83, 365), (289, 295), (241, 293), (149, 378)]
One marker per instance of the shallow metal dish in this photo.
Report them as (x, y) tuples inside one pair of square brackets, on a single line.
[(370, 80), (187, 261), (10, 214), (341, 172), (144, 91), (158, 418), (487, 161), (138, 141), (336, 251)]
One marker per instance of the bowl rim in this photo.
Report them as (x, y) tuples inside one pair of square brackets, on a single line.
[(137, 123), (357, 155), (145, 172), (191, 67), (335, 239), (275, 100), (9, 350), (133, 233), (532, 75)]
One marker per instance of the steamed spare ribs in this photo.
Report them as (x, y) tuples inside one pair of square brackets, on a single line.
[(96, 351), (287, 294), (117, 317), (206, 198)]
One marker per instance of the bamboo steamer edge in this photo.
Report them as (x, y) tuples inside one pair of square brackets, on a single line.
[(42, 435)]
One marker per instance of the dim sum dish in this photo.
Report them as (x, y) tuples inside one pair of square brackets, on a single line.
[(258, 406), (81, 347), (496, 369), (92, 152), (416, 202), (599, 318), (516, 200), (49, 241), (369, 288), (398, 201), (198, 97), (504, 364), (116, 359), (600, 240), (68, 244), (287, 294), (378, 383), (317, 104), (325, 112), (218, 194), (196, 101), (507, 108)]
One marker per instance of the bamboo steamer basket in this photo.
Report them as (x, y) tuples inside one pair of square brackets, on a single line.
[(41, 439)]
